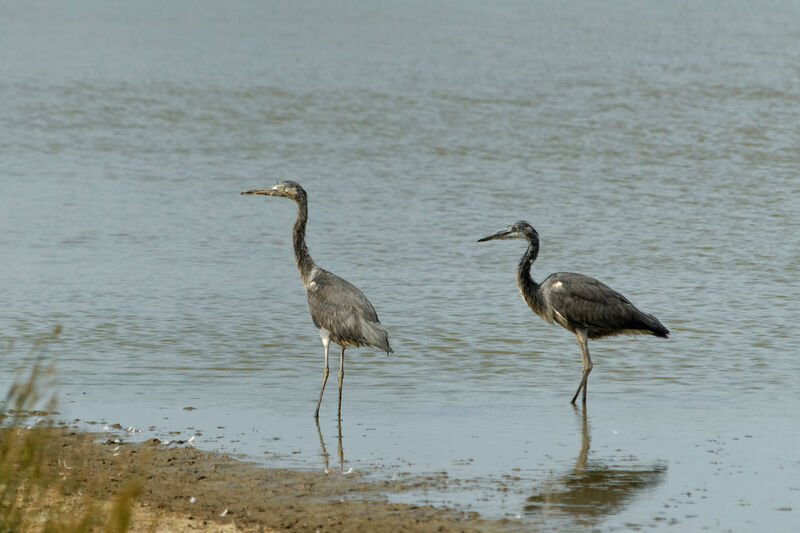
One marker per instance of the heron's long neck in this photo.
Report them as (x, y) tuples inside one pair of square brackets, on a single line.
[(301, 256), (527, 286)]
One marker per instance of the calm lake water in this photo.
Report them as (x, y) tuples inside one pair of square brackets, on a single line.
[(654, 145)]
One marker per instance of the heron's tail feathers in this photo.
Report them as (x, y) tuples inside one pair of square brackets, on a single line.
[(375, 335), (655, 327)]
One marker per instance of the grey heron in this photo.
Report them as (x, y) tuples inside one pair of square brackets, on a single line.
[(582, 305), (340, 311)]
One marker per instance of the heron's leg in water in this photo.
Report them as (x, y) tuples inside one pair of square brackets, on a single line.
[(326, 342), (587, 364), (341, 379)]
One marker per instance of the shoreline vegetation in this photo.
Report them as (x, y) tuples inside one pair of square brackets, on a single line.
[(57, 478)]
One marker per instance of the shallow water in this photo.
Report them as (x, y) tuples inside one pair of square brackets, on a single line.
[(654, 146)]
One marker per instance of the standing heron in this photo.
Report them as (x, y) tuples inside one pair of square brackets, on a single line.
[(583, 305), (339, 310)]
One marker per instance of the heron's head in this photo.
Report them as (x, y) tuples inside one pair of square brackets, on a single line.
[(288, 188), (519, 230)]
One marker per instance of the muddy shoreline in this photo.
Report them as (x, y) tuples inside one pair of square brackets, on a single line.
[(182, 488)]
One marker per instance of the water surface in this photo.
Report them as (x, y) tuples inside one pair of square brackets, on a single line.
[(654, 145)]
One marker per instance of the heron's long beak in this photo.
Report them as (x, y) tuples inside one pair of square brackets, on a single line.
[(266, 192), (499, 235)]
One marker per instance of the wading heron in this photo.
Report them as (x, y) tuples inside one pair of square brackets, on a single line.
[(583, 305), (339, 310)]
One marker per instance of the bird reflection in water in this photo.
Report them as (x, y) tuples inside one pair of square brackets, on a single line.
[(594, 489), (325, 454)]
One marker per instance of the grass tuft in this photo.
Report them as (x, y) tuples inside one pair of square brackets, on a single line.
[(38, 491)]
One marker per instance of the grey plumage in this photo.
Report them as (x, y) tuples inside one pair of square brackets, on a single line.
[(342, 309), (339, 310), (580, 304), (587, 303)]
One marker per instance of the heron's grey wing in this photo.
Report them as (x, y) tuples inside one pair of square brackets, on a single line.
[(342, 309), (586, 302)]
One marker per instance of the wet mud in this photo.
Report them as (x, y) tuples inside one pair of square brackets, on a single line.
[(182, 488)]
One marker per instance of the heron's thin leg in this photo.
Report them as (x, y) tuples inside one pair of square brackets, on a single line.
[(341, 379), (587, 364), (325, 342)]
